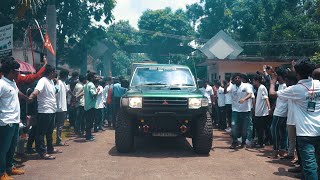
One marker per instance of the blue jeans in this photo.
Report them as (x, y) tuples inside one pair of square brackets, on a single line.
[(240, 121), (80, 123), (308, 146), (250, 127), (8, 143), (279, 133)]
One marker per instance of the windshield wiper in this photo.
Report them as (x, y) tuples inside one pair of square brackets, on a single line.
[(182, 85), (150, 84)]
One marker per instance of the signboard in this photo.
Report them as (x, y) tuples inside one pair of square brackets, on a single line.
[(6, 40), (221, 46)]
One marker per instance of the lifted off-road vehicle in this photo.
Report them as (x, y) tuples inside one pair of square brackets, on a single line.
[(163, 100)]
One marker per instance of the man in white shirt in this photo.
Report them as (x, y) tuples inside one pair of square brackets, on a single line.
[(228, 102), (262, 108), (9, 118), (207, 91), (45, 92), (106, 98), (241, 108), (305, 98), (221, 106), (61, 98), (99, 107), (80, 123), (279, 122)]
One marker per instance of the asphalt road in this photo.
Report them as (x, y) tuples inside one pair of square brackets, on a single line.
[(154, 158)]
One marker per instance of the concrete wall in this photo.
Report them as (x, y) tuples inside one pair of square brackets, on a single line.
[(18, 54), (221, 67)]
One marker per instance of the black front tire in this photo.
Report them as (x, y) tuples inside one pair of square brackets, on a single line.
[(124, 135), (202, 134)]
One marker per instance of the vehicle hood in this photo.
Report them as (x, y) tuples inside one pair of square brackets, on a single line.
[(164, 92)]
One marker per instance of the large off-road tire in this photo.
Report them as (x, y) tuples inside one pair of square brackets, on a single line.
[(124, 135), (202, 134)]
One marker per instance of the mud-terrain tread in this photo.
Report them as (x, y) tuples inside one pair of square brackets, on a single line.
[(202, 134), (124, 136)]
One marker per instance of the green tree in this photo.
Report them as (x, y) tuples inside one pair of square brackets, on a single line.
[(74, 23), (123, 34), (165, 30), (277, 24)]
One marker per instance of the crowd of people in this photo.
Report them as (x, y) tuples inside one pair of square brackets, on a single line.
[(38, 104), (279, 106)]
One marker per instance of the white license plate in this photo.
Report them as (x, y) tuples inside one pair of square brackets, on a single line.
[(165, 134)]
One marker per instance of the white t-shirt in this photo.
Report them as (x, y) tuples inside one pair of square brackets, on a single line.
[(261, 108), (62, 96), (76, 91), (221, 97), (239, 92), (252, 95), (281, 109), (228, 98), (105, 92), (307, 122), (100, 98), (207, 92), (47, 102), (9, 102)]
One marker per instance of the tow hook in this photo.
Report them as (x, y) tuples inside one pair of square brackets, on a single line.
[(145, 128), (183, 129)]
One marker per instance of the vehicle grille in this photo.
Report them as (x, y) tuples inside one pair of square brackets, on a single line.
[(165, 102)]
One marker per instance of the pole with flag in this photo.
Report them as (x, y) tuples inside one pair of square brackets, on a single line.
[(47, 44)]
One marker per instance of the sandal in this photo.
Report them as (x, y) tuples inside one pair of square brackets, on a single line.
[(47, 157), (62, 144), (55, 151)]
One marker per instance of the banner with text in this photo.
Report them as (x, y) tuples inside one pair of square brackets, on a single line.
[(6, 40)]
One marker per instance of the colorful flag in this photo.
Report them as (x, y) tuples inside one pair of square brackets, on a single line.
[(47, 44)]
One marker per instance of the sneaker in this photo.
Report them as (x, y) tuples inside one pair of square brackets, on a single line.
[(5, 176), (90, 139), (16, 171)]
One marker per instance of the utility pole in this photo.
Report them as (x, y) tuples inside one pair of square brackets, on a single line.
[(52, 32)]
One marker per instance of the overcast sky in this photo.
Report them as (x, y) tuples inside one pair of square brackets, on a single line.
[(132, 9)]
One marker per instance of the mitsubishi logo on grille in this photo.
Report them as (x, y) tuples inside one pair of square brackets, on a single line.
[(165, 102)]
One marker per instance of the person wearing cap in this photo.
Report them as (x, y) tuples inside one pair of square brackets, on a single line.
[(9, 118)]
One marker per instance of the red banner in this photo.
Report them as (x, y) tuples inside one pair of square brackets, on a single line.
[(47, 44)]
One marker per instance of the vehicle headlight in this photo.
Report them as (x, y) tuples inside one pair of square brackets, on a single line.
[(204, 102), (196, 103), (135, 102), (124, 102)]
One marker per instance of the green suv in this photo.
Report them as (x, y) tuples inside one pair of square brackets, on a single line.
[(163, 100)]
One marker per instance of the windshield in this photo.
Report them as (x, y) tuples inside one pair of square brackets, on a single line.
[(162, 76)]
